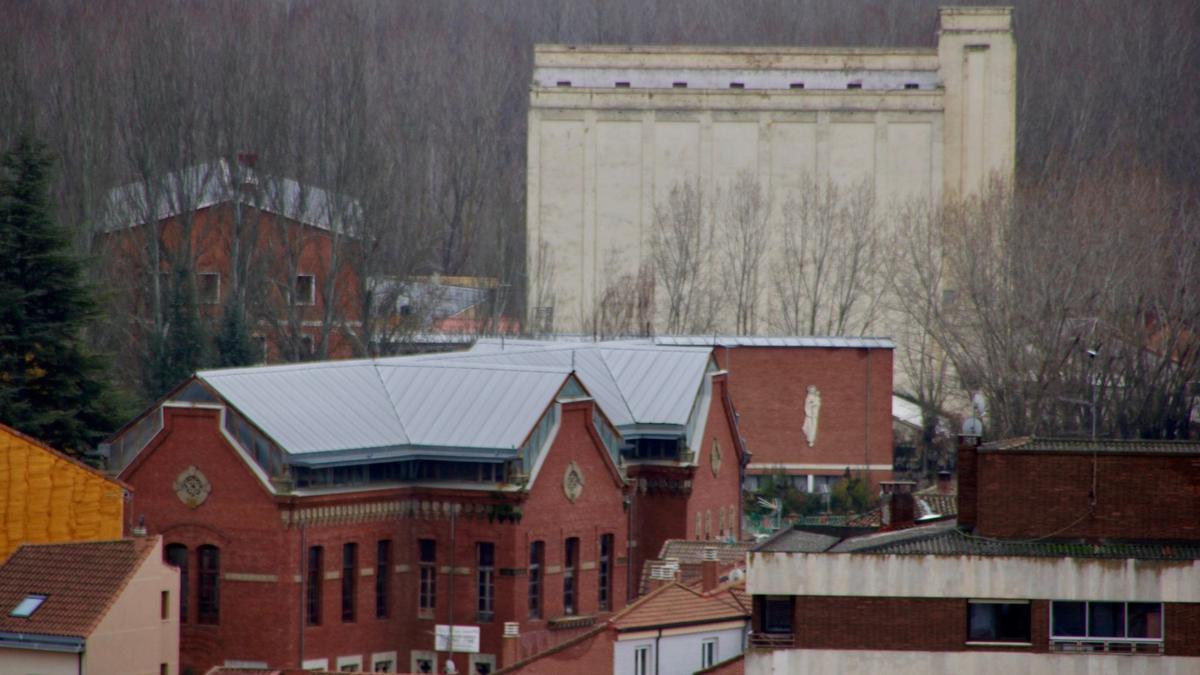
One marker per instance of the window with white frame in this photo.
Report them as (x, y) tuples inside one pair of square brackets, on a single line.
[(482, 664), (306, 289), (708, 652), (996, 621), (349, 664), (383, 662), (1105, 622), (641, 660), (422, 661)]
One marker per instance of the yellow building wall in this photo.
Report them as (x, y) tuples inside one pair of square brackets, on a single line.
[(46, 497)]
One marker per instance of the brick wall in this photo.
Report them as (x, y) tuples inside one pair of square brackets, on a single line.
[(940, 625), (262, 611), (1022, 495), (769, 385)]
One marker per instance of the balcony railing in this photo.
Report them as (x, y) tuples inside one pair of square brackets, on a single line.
[(1114, 646), (772, 640)]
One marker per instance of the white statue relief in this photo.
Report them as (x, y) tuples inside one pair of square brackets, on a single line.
[(812, 409)]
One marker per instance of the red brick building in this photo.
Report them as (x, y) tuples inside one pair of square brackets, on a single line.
[(289, 245), (810, 407), (1067, 556), (330, 515)]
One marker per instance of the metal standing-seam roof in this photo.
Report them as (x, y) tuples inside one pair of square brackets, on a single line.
[(790, 341), (634, 382), (379, 404), (211, 183)]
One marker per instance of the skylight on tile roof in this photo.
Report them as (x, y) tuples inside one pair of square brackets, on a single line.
[(28, 606)]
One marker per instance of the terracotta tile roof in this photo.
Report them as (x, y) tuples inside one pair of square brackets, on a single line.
[(689, 554), (945, 505), (80, 581), (675, 604)]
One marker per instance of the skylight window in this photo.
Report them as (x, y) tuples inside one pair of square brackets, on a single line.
[(28, 606)]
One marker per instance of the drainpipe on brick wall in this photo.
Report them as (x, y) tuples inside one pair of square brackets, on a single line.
[(867, 422), (303, 592)]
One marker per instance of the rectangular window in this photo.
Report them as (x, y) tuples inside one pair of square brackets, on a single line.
[(349, 581), (427, 593), (208, 288), (1106, 621), (708, 652), (641, 661), (209, 589), (177, 555), (316, 555), (537, 555), (606, 546), (306, 289), (570, 575), (164, 608), (777, 613), (485, 561), (383, 562), (997, 621)]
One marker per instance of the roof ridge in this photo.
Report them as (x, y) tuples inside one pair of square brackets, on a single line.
[(393, 405)]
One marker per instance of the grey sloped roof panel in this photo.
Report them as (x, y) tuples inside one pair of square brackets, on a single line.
[(829, 342), (586, 361), (314, 407), (659, 384), (633, 381), (469, 405)]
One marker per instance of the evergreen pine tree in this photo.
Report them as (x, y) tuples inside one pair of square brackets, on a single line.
[(51, 386), (180, 352), (234, 346)]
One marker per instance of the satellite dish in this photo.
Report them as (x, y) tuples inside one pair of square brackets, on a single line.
[(972, 427)]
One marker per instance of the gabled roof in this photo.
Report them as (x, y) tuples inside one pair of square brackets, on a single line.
[(211, 183), (635, 382), (80, 582), (385, 404), (677, 605)]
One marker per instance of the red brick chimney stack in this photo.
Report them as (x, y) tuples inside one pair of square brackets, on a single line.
[(709, 575), (510, 644), (899, 505), (945, 483)]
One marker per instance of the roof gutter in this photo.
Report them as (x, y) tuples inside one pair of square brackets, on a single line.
[(43, 643)]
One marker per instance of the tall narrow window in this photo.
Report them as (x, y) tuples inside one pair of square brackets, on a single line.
[(316, 561), (570, 575), (427, 593), (177, 555), (306, 289), (485, 559), (537, 555), (708, 652), (349, 581), (641, 661), (383, 563), (164, 609), (606, 547), (209, 589)]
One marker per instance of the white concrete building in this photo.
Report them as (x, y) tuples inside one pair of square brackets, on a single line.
[(612, 129)]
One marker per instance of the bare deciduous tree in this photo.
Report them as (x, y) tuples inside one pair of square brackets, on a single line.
[(743, 214), (681, 249)]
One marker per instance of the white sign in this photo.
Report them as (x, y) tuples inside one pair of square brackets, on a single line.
[(466, 639)]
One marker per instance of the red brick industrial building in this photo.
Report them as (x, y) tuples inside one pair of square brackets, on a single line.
[(846, 382), (332, 514), (1067, 556)]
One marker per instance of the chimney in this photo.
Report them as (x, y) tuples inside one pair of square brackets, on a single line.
[(945, 483), (708, 570), (510, 644), (899, 506)]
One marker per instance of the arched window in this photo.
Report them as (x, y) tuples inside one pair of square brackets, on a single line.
[(177, 555), (208, 604)]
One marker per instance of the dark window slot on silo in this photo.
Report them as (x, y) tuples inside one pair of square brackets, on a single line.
[(797, 85), (679, 85), (564, 83), (854, 85), (622, 85), (737, 85), (911, 85)]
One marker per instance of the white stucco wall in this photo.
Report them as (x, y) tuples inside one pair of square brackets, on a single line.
[(133, 638), (813, 661), (677, 653), (995, 577)]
